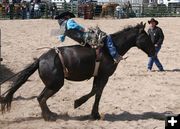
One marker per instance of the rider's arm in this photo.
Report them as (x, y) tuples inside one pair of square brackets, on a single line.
[(71, 24), (62, 29)]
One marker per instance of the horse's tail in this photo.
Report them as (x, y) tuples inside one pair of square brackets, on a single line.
[(6, 100)]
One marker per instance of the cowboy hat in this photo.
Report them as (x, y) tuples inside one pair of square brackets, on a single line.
[(62, 15), (153, 20)]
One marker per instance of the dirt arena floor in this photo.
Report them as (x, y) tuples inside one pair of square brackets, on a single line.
[(132, 99)]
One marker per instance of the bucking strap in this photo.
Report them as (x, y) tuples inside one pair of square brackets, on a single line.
[(97, 61), (65, 70), (96, 69)]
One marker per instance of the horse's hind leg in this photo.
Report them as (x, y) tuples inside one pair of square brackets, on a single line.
[(42, 98), (53, 78), (84, 98), (50, 89)]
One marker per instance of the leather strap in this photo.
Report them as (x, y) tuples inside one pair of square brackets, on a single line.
[(97, 61), (65, 70)]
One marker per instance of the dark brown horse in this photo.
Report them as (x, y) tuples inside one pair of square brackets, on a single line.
[(86, 10), (80, 62), (108, 9)]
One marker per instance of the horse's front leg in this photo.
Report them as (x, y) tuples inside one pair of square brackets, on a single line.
[(100, 86), (84, 98)]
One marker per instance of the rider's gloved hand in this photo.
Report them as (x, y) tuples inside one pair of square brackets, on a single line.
[(61, 38)]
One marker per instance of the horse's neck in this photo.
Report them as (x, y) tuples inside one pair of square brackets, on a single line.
[(123, 50), (122, 45)]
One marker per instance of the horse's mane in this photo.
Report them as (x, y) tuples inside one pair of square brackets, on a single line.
[(127, 28), (124, 33)]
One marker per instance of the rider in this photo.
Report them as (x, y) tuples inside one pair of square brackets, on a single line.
[(70, 28), (77, 32)]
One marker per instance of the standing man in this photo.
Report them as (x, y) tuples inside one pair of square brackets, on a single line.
[(157, 37), (24, 9), (53, 10), (11, 9)]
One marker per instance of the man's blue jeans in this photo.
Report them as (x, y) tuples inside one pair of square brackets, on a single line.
[(155, 60)]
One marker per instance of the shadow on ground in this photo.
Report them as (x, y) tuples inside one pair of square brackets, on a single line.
[(167, 70), (23, 98), (5, 73), (125, 116)]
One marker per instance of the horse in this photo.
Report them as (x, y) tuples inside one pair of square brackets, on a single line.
[(108, 9), (86, 10), (17, 10), (80, 62), (3, 9)]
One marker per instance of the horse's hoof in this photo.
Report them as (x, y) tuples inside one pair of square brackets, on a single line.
[(76, 104), (96, 116), (50, 116)]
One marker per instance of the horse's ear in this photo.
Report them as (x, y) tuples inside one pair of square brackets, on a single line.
[(141, 23), (144, 25)]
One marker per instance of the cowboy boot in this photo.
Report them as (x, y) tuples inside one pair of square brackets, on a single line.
[(117, 58)]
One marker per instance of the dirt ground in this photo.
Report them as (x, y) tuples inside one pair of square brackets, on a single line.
[(132, 99)]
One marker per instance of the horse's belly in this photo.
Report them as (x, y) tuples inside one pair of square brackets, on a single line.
[(79, 78), (80, 62), (80, 73)]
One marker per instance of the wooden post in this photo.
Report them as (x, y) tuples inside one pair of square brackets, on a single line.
[(0, 59), (0, 47)]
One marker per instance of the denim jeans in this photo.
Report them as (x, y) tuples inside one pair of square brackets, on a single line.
[(155, 60), (111, 47)]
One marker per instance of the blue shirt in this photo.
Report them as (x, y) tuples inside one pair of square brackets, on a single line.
[(70, 24)]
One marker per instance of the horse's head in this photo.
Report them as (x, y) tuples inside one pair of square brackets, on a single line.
[(133, 36), (143, 41)]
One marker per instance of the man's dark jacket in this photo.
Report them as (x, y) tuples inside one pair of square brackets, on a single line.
[(156, 35)]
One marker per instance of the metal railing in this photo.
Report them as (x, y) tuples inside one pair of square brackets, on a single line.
[(137, 10), (44, 12), (160, 11)]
